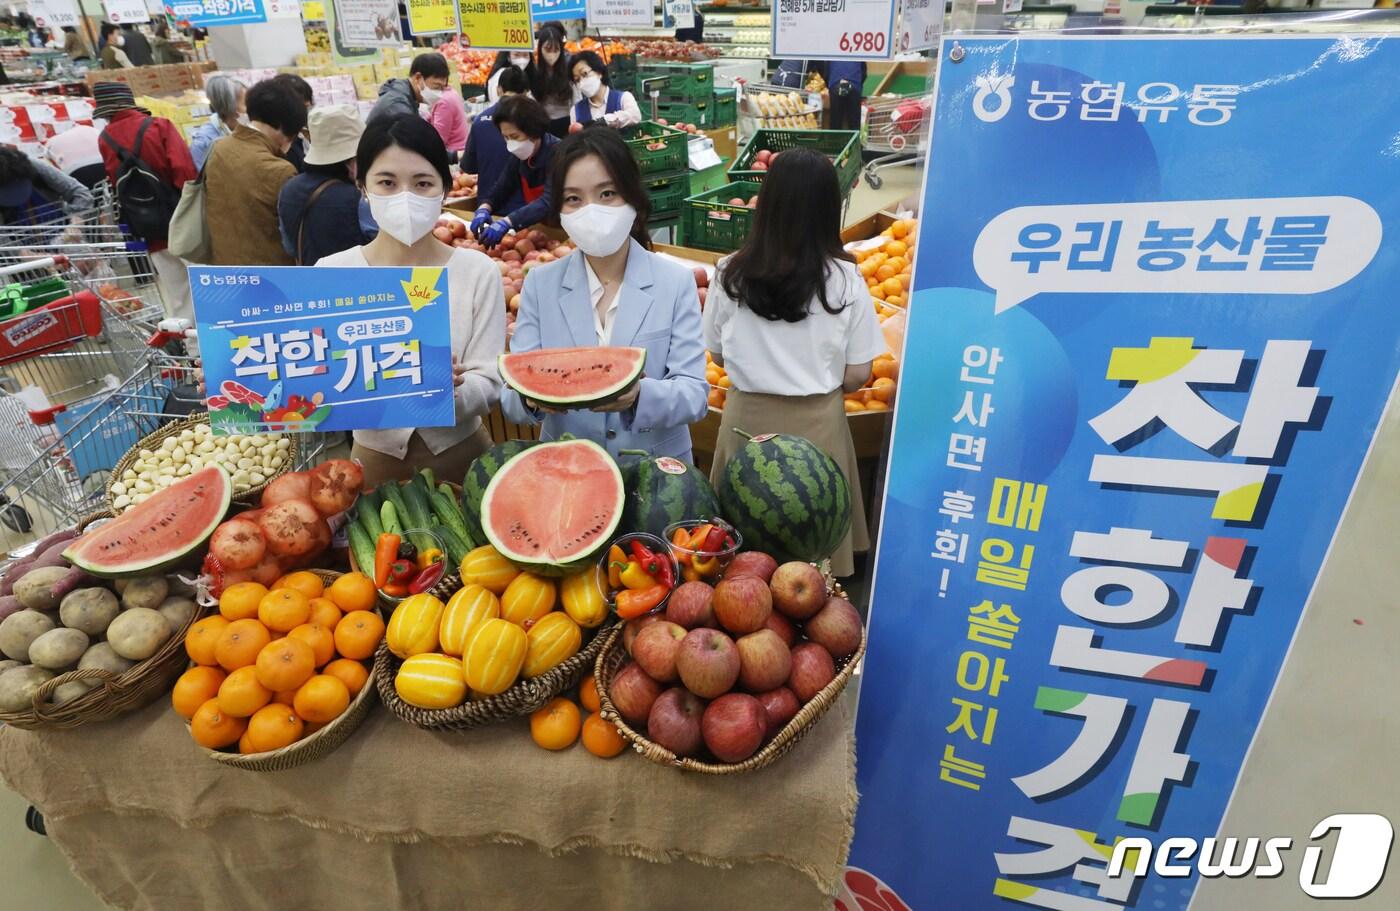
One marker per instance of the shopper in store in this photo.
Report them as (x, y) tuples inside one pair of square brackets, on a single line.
[(845, 86), (113, 55), (505, 62), (550, 81), (75, 45), (486, 154), (598, 100), (76, 153), (301, 90), (613, 290), (525, 127), (402, 96), (227, 99), (165, 50), (321, 211), (157, 144), (790, 319), (136, 45), (34, 192), (245, 173), (402, 169), (448, 115), (790, 74)]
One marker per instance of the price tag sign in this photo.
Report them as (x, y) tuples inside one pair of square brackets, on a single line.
[(497, 25), (920, 23), (119, 11), (620, 14), (368, 23), (833, 29), (313, 11), (432, 17), (54, 13)]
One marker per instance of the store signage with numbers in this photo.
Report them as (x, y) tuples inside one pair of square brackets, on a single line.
[(620, 14), (432, 17), (119, 11), (834, 29), (497, 25)]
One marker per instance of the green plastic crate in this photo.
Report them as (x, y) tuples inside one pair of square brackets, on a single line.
[(726, 110), (709, 222), (667, 193), (624, 65), (684, 81), (696, 112), (841, 146), (659, 149)]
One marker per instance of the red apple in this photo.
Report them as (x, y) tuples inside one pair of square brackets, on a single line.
[(702, 293), (752, 563), (836, 627), (633, 627), (443, 234), (753, 201), (781, 706), (734, 727), (655, 650), (742, 605), (764, 661), (674, 722), (760, 165), (783, 627), (458, 227), (692, 605), (736, 201), (510, 256), (525, 246), (799, 590), (575, 127), (632, 693), (708, 662), (763, 155), (812, 669)]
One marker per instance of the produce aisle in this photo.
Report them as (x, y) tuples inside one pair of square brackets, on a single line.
[(418, 819)]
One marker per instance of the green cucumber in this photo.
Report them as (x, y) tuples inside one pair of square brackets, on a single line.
[(420, 514), (389, 518), (427, 475), (448, 514), (446, 490), (457, 546), (367, 514), (393, 493), (362, 546)]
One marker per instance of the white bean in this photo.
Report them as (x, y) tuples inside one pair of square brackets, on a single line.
[(122, 502), (257, 478), (118, 488)]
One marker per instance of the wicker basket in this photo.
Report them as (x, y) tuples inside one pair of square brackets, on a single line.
[(116, 694), (611, 659), (153, 441), (313, 746), (522, 699)]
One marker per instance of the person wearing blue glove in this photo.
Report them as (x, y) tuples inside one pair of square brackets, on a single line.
[(524, 125)]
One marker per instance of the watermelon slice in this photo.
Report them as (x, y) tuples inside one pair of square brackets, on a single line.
[(550, 509), (573, 377), (158, 532)]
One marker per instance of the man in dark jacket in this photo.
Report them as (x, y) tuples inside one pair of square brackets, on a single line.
[(137, 48), (398, 97)]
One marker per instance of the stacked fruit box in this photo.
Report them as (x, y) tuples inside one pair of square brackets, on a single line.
[(719, 219), (662, 157), (686, 96)]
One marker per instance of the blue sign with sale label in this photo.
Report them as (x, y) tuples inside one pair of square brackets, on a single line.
[(293, 349), (210, 13)]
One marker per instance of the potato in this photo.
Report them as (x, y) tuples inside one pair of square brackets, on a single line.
[(58, 648), (137, 633), (178, 587), (71, 690), (18, 632), (17, 687), (89, 609), (35, 588), (101, 656), (146, 592), (9, 663), (177, 610)]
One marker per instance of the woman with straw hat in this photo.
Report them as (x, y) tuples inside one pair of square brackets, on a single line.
[(320, 210)]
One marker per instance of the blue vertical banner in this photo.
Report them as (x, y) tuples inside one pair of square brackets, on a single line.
[(1152, 334)]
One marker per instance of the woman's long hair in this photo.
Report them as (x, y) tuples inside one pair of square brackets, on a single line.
[(550, 82), (796, 233)]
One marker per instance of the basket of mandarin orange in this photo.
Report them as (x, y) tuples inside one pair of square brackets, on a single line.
[(281, 676)]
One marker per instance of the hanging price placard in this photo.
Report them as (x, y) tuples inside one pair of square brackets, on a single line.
[(497, 25), (432, 17), (833, 29), (54, 13)]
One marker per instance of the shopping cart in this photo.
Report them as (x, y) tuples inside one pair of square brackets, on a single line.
[(898, 128)]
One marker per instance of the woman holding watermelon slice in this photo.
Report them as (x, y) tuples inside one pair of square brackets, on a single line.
[(613, 290), (791, 320), (401, 167)]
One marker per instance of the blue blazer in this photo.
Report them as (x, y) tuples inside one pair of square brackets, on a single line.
[(657, 309)]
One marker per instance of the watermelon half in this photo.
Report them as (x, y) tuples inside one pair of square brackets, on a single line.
[(550, 509), (573, 377), (159, 532)]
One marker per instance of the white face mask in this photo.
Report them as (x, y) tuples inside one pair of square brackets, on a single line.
[(590, 85), (119, 41), (520, 60), (431, 96), (599, 230), (520, 148), (406, 216)]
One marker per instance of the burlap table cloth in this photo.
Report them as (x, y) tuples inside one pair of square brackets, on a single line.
[(400, 818)]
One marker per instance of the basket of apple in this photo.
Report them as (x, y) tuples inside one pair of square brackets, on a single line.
[(728, 677)]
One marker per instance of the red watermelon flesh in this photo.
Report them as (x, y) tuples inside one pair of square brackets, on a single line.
[(553, 506), (159, 532), (573, 377)]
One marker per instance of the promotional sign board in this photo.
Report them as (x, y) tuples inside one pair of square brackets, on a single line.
[(496, 25), (121, 11), (54, 13), (368, 23), (620, 14), (210, 13), (546, 10), (432, 17), (282, 9), (676, 14), (316, 348), (831, 29), (920, 23), (1137, 394)]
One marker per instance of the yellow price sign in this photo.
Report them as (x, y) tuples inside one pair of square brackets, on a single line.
[(313, 11), (432, 17), (497, 25)]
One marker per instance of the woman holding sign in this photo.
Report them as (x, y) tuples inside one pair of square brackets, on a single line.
[(401, 167), (790, 318), (613, 290)]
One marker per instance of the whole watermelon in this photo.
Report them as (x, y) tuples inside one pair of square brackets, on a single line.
[(480, 474), (664, 490), (786, 497)]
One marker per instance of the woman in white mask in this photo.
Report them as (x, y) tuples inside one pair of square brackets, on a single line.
[(613, 290), (599, 100), (524, 126), (401, 167), (550, 81), (504, 61)]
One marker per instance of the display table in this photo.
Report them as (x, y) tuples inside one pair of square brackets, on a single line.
[(402, 818)]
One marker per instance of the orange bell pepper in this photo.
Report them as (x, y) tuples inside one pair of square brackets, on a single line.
[(681, 540), (617, 562), (635, 602)]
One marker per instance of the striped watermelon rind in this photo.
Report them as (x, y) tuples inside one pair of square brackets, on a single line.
[(663, 491), (479, 475), (786, 497)]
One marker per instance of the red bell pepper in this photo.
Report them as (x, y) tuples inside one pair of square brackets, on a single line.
[(649, 561), (427, 578)]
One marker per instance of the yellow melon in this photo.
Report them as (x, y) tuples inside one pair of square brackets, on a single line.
[(466, 610), (494, 654), (527, 598), (431, 681), (553, 639), (582, 596), (413, 629), (486, 567)]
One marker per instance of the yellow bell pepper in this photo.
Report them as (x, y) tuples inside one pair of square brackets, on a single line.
[(706, 567), (689, 574), (428, 556), (636, 578), (617, 560)]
